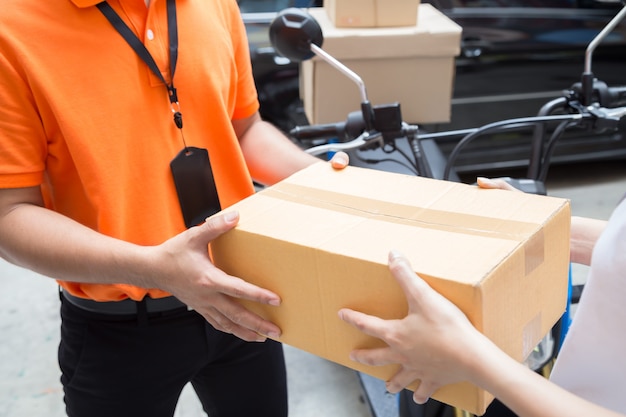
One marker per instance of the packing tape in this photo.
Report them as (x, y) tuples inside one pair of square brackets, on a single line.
[(406, 214), (530, 234)]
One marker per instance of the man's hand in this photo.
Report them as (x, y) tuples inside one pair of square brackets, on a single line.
[(185, 270), (340, 160)]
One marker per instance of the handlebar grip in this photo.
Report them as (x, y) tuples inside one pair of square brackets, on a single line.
[(318, 131)]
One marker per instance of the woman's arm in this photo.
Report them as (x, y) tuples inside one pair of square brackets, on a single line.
[(584, 231), (584, 235), (426, 345), (526, 392)]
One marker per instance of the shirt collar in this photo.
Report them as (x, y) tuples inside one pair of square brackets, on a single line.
[(85, 3)]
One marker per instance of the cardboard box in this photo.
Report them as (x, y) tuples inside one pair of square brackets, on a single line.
[(320, 239), (411, 65), (372, 13)]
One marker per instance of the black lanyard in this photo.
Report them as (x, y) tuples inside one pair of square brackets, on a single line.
[(143, 53), (191, 168)]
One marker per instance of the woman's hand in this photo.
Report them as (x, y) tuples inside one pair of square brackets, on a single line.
[(584, 231), (435, 343), (494, 184)]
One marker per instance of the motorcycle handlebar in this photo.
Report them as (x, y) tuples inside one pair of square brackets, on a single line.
[(351, 128), (359, 142), (318, 131)]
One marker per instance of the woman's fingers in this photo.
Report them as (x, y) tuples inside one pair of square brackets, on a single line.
[(494, 184), (423, 392), (402, 379)]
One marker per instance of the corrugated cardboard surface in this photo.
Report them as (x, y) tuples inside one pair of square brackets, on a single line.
[(320, 239), (411, 65), (372, 13)]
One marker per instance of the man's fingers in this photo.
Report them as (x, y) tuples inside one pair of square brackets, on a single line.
[(238, 288), (228, 284), (230, 317), (218, 224), (340, 160), (233, 288), (216, 320)]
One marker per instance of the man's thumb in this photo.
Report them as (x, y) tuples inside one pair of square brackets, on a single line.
[(220, 223)]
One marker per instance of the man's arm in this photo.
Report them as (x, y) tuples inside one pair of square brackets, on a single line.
[(270, 155), (54, 245)]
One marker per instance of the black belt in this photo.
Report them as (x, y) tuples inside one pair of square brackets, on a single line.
[(126, 306)]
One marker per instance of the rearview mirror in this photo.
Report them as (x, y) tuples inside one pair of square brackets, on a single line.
[(296, 35), (293, 31)]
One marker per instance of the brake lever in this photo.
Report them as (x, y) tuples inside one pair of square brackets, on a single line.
[(364, 140)]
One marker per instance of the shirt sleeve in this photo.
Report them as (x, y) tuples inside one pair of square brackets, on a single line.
[(247, 100), (22, 137)]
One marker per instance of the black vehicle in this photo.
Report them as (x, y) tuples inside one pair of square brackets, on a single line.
[(515, 56)]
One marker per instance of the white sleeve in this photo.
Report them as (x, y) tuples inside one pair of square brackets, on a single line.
[(592, 361)]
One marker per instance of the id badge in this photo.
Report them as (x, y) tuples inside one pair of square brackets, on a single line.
[(195, 185)]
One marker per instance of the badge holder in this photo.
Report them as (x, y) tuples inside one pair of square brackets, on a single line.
[(195, 185)]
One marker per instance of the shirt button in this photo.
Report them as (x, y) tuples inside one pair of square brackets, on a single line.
[(150, 34)]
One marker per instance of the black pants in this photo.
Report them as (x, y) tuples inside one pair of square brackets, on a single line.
[(116, 366)]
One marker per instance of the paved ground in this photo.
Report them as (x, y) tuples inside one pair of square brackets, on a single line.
[(29, 321)]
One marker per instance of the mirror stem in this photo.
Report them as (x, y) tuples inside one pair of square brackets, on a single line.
[(365, 104), (587, 80), (603, 34)]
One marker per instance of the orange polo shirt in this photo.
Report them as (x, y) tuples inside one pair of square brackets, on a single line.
[(84, 117)]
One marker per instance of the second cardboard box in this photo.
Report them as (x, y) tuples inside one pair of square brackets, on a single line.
[(411, 65)]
